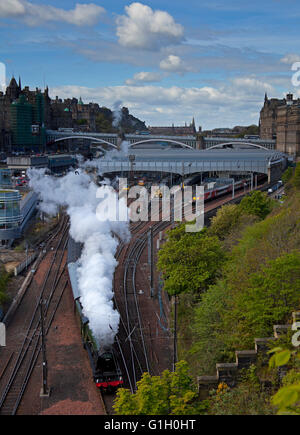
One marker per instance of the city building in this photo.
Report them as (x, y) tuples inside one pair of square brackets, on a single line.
[(22, 118), (268, 117), (280, 120), (187, 130), (5, 178), (27, 124), (15, 214), (10, 215), (26, 114)]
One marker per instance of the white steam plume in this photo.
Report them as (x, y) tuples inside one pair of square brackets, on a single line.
[(117, 114), (124, 148), (78, 193)]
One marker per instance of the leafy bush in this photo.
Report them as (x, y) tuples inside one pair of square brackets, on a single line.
[(170, 393), (257, 203), (245, 399), (226, 219), (287, 398), (269, 298), (4, 279)]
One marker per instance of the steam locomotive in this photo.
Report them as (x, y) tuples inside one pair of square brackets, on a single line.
[(104, 363)]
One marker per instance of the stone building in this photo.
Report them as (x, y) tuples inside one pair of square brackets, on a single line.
[(280, 120), (84, 115), (26, 114), (187, 130), (268, 118), (60, 115), (288, 127)]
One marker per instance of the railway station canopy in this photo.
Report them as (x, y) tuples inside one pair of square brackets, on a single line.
[(189, 161)]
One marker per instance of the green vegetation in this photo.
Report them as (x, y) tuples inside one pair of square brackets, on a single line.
[(287, 175), (254, 286), (81, 122), (234, 281), (172, 393), (4, 279), (287, 398), (257, 204), (249, 130), (190, 262), (296, 177), (104, 122), (246, 399), (35, 233)]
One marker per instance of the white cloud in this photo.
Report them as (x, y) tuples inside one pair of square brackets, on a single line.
[(253, 85), (290, 58), (144, 28), (144, 77), (230, 104), (173, 64), (10, 8), (34, 14)]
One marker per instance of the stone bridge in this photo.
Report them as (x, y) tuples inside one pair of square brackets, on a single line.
[(146, 140)]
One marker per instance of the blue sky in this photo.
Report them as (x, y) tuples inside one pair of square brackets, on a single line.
[(167, 61)]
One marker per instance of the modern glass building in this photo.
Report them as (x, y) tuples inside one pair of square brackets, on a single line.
[(5, 179), (10, 215)]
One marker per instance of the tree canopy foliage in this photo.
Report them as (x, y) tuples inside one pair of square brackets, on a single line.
[(190, 262), (257, 203), (236, 279), (171, 393)]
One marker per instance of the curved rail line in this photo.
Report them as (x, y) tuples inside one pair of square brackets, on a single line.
[(132, 346)]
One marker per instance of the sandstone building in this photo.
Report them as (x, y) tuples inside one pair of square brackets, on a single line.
[(25, 115), (280, 120)]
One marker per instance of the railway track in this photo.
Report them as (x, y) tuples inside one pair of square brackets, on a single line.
[(26, 344), (131, 343), (136, 358)]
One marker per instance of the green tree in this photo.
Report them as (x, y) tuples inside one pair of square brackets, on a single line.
[(269, 298), (207, 326), (170, 393), (103, 123), (190, 262), (226, 219), (81, 122), (257, 203)]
